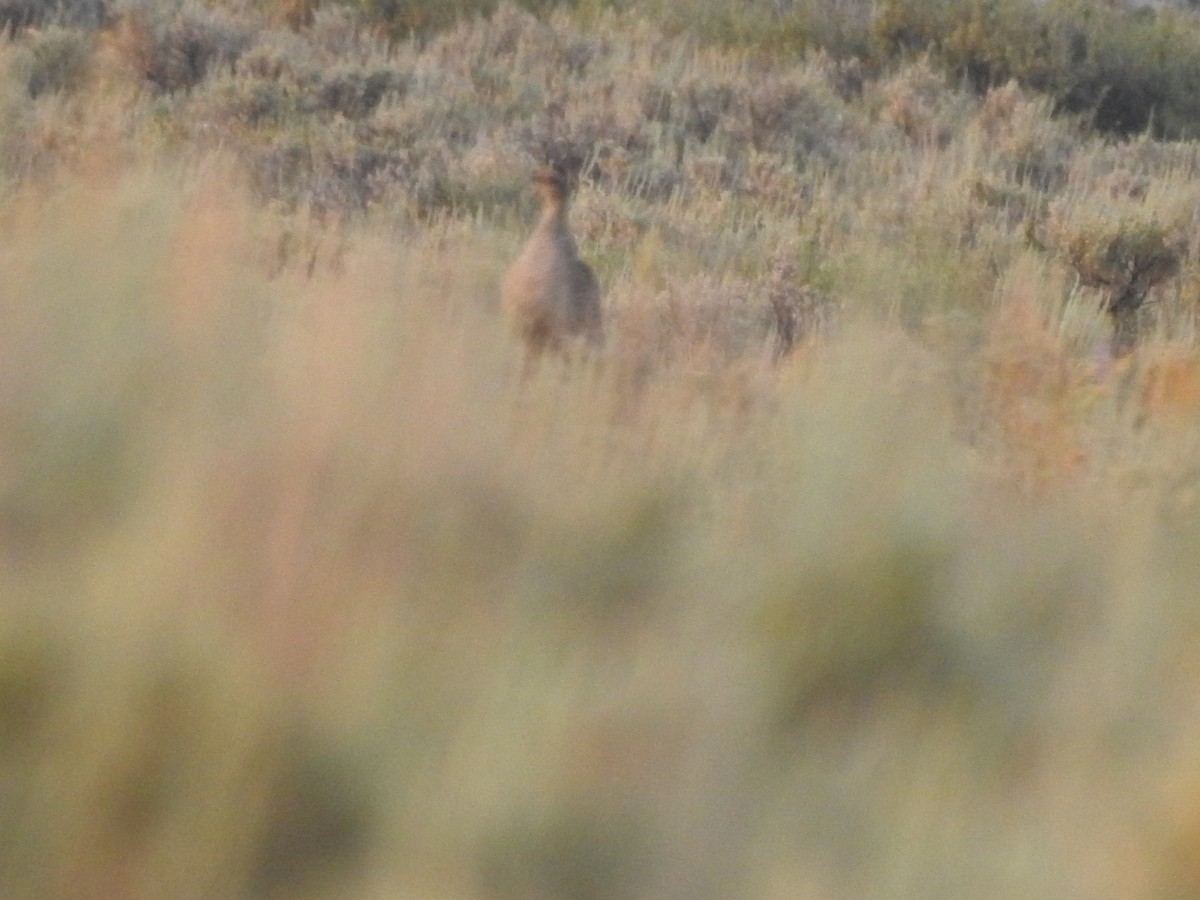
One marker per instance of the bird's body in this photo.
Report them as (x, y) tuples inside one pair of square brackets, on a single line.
[(549, 294)]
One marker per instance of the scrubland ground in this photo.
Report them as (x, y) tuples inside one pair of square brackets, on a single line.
[(857, 565)]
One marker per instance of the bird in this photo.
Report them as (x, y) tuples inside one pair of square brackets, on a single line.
[(551, 296)]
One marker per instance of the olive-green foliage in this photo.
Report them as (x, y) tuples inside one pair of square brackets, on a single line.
[(56, 59), (1125, 241), (766, 27), (1127, 70), (402, 18), (451, 121), (1112, 254), (16, 14), (175, 49)]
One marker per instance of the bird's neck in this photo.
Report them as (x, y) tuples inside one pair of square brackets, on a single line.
[(554, 213)]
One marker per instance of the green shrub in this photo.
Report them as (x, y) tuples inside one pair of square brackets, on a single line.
[(355, 92), (176, 49), (1135, 71), (55, 59), (1123, 244), (16, 14), (1129, 70), (765, 27), (399, 19)]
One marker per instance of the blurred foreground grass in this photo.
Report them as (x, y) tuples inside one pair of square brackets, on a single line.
[(307, 593)]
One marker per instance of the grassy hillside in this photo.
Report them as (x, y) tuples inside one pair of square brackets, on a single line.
[(861, 563)]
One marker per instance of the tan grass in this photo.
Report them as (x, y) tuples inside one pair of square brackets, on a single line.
[(521, 625)]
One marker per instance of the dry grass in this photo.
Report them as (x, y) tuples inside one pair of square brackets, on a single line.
[(310, 590)]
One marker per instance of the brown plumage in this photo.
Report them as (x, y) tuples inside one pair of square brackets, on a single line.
[(550, 294)]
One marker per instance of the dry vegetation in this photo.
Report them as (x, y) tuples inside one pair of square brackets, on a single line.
[(861, 563)]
